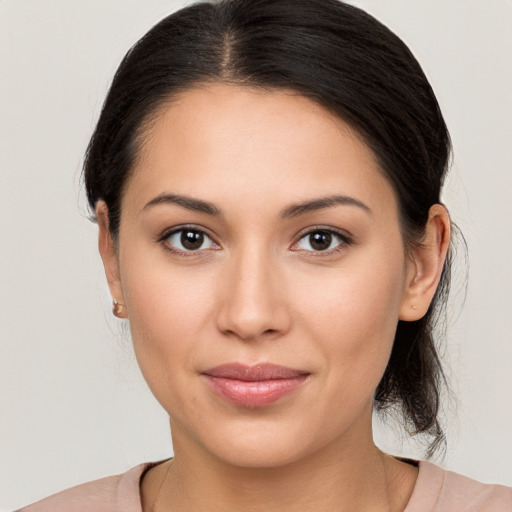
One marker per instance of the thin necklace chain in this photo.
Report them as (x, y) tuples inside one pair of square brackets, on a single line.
[(153, 507)]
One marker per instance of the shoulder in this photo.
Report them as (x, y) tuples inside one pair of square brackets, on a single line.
[(438, 490), (117, 493)]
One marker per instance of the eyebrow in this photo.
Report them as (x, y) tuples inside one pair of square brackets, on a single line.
[(294, 210), (189, 203), (321, 203)]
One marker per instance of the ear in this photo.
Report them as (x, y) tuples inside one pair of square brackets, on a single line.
[(110, 259), (425, 265)]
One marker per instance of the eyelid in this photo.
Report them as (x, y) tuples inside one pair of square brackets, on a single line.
[(183, 227), (344, 237), (166, 233)]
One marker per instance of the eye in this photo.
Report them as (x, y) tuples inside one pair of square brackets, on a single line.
[(322, 240), (188, 240)]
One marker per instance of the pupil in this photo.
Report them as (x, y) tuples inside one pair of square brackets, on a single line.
[(320, 240), (192, 239)]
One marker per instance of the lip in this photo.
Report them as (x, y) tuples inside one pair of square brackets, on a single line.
[(253, 386)]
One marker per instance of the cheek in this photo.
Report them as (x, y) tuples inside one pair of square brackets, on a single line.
[(163, 297), (168, 309), (353, 315)]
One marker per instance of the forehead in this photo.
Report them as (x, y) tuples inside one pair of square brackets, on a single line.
[(221, 139)]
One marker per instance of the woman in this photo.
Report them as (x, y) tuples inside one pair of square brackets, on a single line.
[(266, 178)]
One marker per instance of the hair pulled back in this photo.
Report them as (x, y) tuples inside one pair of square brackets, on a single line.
[(336, 55)]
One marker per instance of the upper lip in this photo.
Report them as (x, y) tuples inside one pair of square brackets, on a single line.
[(258, 372)]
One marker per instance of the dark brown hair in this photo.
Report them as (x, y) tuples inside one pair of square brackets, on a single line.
[(336, 55)]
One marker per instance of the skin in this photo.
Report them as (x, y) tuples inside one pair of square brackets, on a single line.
[(257, 291)]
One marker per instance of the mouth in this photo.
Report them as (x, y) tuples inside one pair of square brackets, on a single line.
[(253, 386)]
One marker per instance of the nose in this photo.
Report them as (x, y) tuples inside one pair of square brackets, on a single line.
[(253, 304)]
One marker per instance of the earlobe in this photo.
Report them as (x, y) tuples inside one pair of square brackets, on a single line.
[(426, 265), (110, 260)]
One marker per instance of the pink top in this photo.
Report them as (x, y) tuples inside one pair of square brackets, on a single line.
[(436, 490)]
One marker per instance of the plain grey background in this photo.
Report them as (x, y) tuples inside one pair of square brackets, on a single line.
[(73, 406)]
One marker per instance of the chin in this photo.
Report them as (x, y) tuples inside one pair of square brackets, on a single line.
[(261, 443)]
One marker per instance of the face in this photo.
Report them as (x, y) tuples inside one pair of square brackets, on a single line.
[(263, 273)]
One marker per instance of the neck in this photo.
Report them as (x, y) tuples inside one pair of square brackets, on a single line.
[(343, 476)]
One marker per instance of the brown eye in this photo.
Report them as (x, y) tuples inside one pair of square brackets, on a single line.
[(322, 240), (188, 240), (191, 240)]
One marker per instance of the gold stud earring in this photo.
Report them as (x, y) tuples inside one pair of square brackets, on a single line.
[(118, 309)]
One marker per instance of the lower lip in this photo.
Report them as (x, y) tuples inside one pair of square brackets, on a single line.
[(253, 394)]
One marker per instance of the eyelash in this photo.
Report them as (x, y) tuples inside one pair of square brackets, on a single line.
[(343, 238), (179, 252)]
